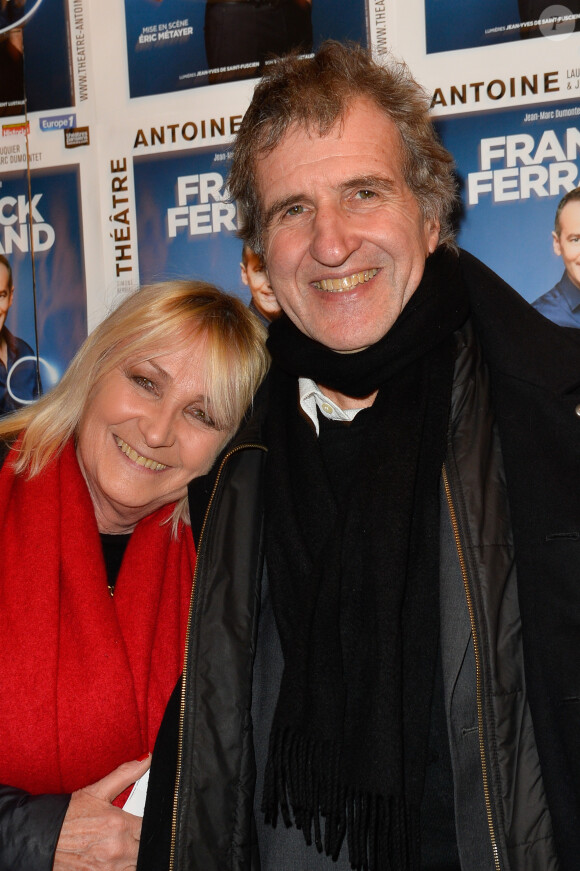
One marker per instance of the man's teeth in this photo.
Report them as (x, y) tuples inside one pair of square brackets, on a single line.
[(335, 285), (137, 458)]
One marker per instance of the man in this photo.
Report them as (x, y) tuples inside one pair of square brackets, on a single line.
[(264, 303), (23, 381), (410, 699), (561, 304)]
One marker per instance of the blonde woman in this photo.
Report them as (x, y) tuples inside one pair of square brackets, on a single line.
[(99, 560)]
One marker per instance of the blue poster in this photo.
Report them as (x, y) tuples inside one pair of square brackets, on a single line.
[(173, 45), (456, 24), (186, 226), (34, 56), (514, 167), (48, 309)]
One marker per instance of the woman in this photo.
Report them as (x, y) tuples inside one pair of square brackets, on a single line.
[(98, 562)]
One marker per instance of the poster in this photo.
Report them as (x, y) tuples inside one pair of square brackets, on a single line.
[(35, 56), (186, 225), (514, 167), (452, 25), (48, 309), (174, 45)]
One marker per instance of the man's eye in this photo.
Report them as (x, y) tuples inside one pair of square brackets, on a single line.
[(365, 194), (295, 210)]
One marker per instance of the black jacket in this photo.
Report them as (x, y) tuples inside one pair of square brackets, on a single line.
[(534, 372), (535, 380)]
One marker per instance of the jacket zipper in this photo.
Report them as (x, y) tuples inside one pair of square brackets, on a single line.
[(186, 653), (464, 573)]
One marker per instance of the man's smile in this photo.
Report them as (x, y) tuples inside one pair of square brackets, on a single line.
[(339, 285)]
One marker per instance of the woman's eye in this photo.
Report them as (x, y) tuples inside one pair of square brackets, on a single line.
[(141, 381), (202, 415)]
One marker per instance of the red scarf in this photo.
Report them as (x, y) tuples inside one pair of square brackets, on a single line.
[(84, 677)]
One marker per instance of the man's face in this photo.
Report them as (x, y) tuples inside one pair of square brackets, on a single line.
[(567, 244), (345, 241), (6, 294)]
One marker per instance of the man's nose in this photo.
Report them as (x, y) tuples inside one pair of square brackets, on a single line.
[(334, 236)]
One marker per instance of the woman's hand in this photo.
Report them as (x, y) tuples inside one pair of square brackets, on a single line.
[(95, 834)]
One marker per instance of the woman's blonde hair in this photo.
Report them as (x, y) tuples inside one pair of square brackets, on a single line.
[(153, 320)]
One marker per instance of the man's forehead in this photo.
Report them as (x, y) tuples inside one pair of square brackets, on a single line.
[(313, 128), (571, 212), (361, 121)]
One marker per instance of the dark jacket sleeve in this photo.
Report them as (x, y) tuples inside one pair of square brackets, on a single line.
[(29, 829)]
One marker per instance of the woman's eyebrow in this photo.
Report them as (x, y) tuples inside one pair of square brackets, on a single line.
[(161, 372)]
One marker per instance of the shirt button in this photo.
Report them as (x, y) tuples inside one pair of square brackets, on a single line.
[(328, 409)]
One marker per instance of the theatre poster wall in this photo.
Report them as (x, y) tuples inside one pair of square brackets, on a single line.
[(117, 128)]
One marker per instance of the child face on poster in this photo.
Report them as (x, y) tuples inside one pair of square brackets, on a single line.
[(254, 275)]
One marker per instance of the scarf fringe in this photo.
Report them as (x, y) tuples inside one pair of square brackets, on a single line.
[(303, 774)]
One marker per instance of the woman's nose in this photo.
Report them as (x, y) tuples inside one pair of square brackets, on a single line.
[(158, 427)]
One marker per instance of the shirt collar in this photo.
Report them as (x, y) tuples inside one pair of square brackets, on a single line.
[(312, 400)]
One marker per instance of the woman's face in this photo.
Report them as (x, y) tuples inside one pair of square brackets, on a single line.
[(146, 432)]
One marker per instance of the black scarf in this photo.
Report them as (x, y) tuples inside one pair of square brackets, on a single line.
[(355, 585)]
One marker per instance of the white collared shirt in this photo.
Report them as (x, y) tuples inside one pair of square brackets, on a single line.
[(312, 398)]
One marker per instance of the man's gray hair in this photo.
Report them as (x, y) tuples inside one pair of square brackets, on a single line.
[(315, 93)]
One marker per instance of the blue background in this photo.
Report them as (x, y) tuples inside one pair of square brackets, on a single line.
[(155, 68), (453, 24), (212, 257), (60, 281), (514, 238)]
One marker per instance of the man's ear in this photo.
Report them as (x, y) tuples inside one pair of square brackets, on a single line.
[(244, 274), (432, 232), (556, 244)]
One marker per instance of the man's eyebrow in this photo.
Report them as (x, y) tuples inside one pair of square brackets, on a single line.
[(282, 205), (360, 182)]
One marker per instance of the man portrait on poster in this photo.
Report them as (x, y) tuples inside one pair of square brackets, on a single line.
[(561, 304), (18, 377)]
